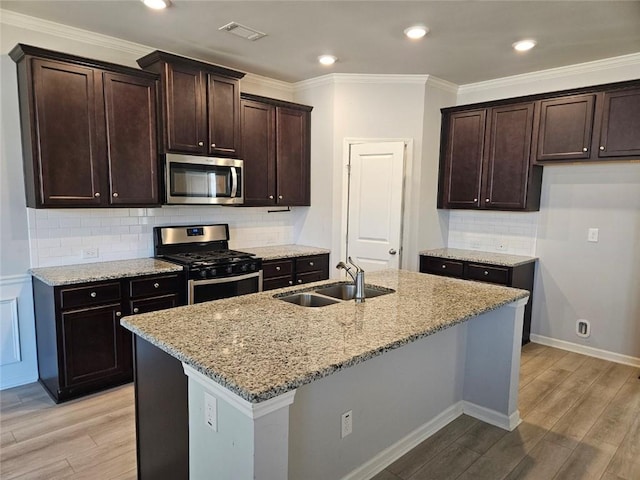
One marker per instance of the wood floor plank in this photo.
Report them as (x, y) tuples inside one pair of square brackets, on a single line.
[(542, 463), (587, 462), (448, 465), (54, 471), (89, 459), (532, 394), (571, 361), (481, 437), (9, 398), (410, 463), (626, 461), (558, 402), (386, 475), (109, 469), (6, 438), (587, 374), (118, 427)]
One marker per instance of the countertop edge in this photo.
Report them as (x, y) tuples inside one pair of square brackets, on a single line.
[(477, 256)]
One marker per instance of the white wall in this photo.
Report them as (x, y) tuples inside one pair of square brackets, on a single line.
[(31, 238), (575, 279)]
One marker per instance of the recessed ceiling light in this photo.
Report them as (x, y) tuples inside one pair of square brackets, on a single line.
[(157, 4), (327, 59), (416, 31), (524, 45)]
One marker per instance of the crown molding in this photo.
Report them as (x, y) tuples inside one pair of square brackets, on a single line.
[(261, 81), (360, 78), (632, 59), (19, 20), (441, 84)]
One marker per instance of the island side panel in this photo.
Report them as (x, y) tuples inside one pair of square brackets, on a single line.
[(397, 399), (492, 366)]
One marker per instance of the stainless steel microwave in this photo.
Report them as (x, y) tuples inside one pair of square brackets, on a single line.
[(203, 180)]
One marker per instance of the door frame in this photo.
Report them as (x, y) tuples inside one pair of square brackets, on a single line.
[(406, 189)]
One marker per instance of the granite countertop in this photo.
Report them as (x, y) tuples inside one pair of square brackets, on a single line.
[(284, 251), (259, 347), (95, 272), (480, 256)]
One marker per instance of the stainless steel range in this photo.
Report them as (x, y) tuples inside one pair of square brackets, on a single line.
[(212, 270)]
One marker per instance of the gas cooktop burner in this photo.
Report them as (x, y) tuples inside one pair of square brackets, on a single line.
[(214, 257)]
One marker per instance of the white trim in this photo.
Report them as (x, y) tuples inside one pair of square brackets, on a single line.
[(585, 350), (442, 84), (14, 279), (518, 303), (261, 81), (404, 445), (553, 73), (15, 330), (251, 410), (27, 22), (346, 78), (506, 422)]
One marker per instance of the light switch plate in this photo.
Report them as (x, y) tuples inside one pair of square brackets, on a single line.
[(211, 411), (592, 235)]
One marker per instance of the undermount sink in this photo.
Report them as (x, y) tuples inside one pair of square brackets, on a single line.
[(347, 291), (308, 300)]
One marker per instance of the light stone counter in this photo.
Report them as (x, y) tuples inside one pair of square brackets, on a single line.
[(284, 251), (479, 256), (260, 347), (95, 272)]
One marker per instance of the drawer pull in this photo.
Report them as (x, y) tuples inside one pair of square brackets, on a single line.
[(118, 314), (311, 264), (444, 266), (290, 282), (601, 147), (585, 149), (93, 294), (278, 269), (156, 285), (136, 310), (486, 272), (300, 281), (200, 144)]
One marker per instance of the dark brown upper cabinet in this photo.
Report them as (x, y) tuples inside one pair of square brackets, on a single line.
[(88, 131), (620, 128), (485, 159), (276, 151), (565, 127), (200, 105), (601, 123)]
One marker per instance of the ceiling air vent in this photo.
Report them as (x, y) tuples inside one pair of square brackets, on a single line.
[(242, 31)]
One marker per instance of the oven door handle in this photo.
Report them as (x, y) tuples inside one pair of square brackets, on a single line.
[(234, 182), (232, 279)]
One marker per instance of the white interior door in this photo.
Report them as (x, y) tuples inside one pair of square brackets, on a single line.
[(374, 221)]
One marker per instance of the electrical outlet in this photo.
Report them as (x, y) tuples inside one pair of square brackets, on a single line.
[(90, 252), (592, 235), (211, 412), (346, 420)]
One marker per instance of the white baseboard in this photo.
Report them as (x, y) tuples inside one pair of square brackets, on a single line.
[(491, 416), (18, 381), (583, 349), (404, 445)]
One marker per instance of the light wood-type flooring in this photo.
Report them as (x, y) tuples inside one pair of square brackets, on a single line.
[(581, 420)]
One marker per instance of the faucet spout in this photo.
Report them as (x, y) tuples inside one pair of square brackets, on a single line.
[(358, 278)]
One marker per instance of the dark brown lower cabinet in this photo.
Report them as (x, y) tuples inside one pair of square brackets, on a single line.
[(286, 272), (162, 414), (82, 348), (519, 276)]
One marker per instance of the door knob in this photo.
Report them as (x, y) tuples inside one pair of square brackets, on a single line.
[(392, 251)]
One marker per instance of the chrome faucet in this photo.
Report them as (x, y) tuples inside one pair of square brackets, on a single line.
[(358, 278)]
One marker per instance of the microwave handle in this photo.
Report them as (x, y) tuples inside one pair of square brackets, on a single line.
[(234, 182)]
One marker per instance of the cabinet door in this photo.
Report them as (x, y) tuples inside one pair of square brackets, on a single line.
[(130, 109), (565, 128), (223, 101), (506, 171), (620, 129), (292, 157), (95, 344), (258, 152), (463, 159), (186, 122), (69, 156)]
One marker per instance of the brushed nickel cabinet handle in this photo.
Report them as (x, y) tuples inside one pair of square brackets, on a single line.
[(200, 144), (311, 264), (118, 314), (280, 197), (290, 282), (300, 281), (601, 147), (270, 197), (136, 310), (156, 285), (486, 273), (278, 268), (585, 149), (115, 194), (97, 194), (213, 145), (444, 266), (93, 294)]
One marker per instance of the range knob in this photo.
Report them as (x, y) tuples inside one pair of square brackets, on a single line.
[(202, 273), (252, 267), (244, 267), (229, 269), (212, 272)]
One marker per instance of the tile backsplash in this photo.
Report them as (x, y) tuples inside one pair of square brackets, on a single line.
[(500, 232), (59, 237)]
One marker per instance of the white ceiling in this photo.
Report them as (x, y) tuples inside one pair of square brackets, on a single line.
[(470, 41)]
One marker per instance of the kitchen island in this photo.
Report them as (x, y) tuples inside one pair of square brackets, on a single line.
[(281, 375)]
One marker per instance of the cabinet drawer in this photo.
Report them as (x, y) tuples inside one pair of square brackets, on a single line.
[(154, 286), (309, 277), (488, 274), (278, 282), (309, 264), (278, 268), (89, 295), (154, 303), (439, 266)]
